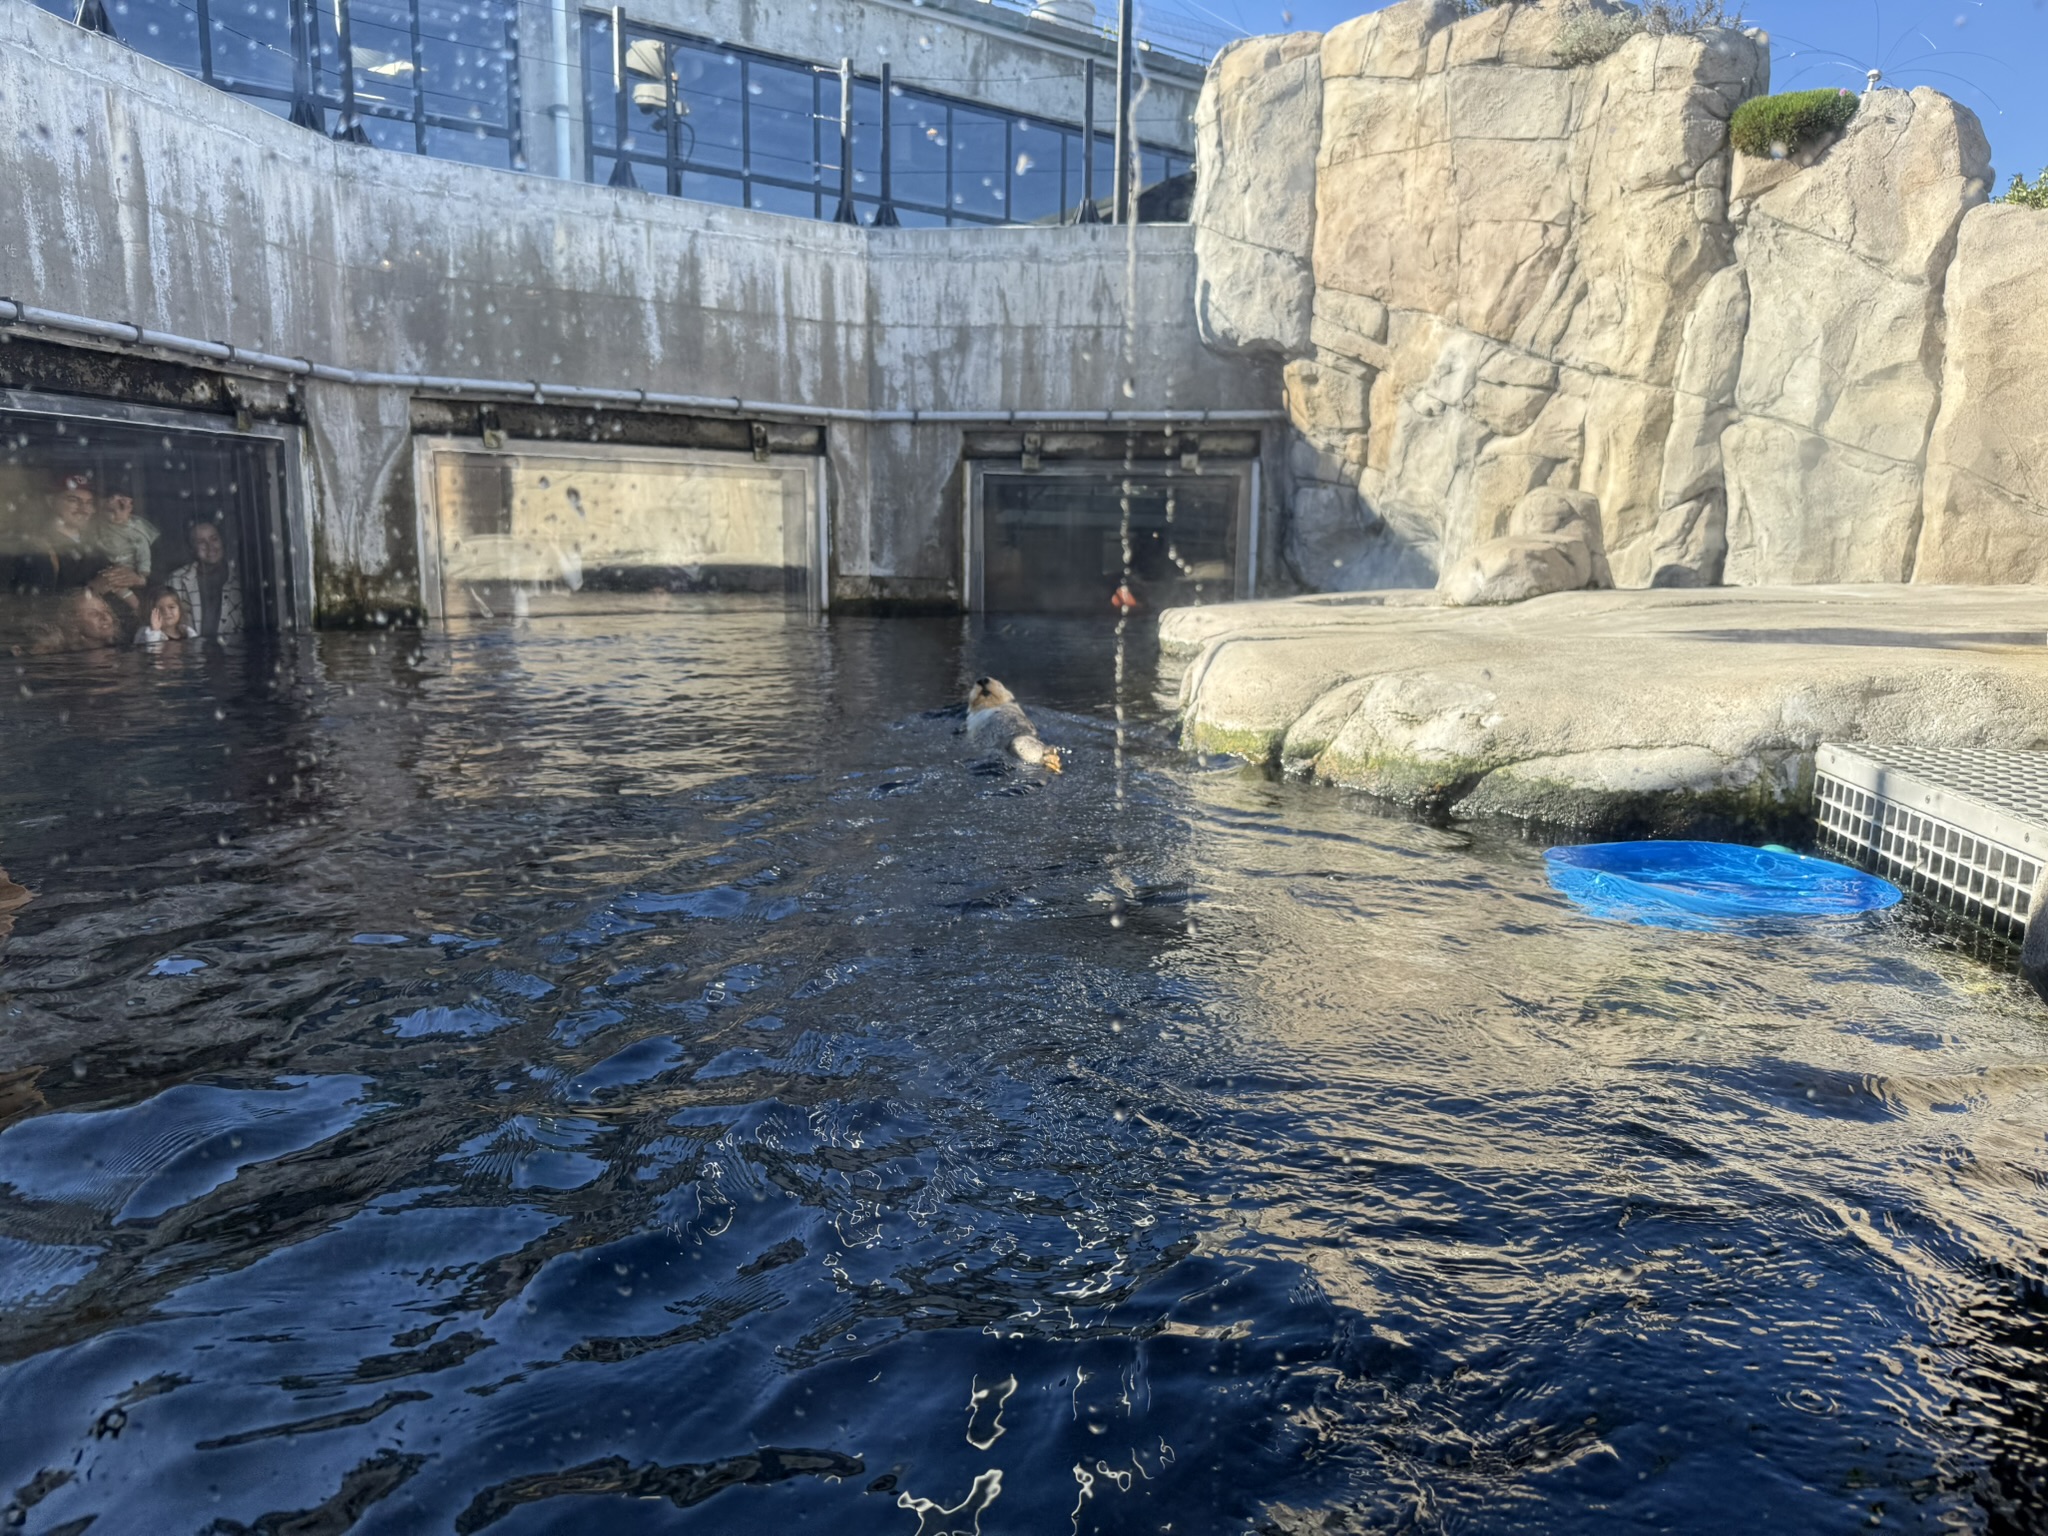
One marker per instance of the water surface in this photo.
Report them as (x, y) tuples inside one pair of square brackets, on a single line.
[(646, 1075)]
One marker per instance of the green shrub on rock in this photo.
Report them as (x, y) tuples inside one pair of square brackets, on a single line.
[(1772, 127), (2035, 196)]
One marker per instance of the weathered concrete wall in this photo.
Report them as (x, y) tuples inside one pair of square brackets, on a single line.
[(1523, 274), (128, 191)]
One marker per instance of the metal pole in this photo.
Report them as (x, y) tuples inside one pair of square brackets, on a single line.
[(1088, 213), (350, 129), (515, 114), (1126, 148), (418, 55), (672, 110), (304, 113), (885, 211), (622, 173), (558, 109), (846, 215)]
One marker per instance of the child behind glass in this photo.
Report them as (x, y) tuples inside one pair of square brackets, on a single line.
[(166, 621)]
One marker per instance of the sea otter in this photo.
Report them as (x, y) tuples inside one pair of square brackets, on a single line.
[(996, 721)]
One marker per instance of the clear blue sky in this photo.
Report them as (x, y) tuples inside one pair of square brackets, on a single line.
[(1991, 55)]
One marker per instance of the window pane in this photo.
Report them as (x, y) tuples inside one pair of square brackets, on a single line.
[(918, 125), (780, 103), (168, 33), (562, 532), (252, 42), (380, 40), (867, 130), (464, 58), (1035, 191), (599, 110), (710, 86), (980, 162), (773, 199), (917, 218), (470, 144), (387, 134), (706, 188)]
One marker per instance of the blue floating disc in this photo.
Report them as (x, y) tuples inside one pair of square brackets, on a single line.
[(1708, 885)]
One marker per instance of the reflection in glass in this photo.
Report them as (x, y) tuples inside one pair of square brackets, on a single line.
[(1053, 542), (550, 531), (113, 535), (773, 123)]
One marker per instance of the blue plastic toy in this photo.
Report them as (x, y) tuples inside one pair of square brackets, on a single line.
[(1709, 885)]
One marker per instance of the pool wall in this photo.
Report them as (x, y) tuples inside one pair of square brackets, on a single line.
[(131, 193)]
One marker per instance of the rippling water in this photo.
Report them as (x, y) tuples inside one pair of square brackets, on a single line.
[(645, 1075)]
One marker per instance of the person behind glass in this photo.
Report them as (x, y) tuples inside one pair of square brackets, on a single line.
[(166, 620), (121, 535), (64, 557), (208, 589), (84, 621)]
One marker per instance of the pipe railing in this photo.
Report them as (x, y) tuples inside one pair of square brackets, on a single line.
[(14, 312)]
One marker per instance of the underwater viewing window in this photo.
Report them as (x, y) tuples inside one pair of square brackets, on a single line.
[(1052, 540), (557, 528), (118, 522)]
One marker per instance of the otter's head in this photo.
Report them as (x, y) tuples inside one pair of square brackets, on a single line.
[(987, 693)]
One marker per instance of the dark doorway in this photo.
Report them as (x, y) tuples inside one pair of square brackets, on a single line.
[(1054, 541), (101, 518)]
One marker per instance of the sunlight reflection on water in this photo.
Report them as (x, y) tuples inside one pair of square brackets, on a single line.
[(647, 1073)]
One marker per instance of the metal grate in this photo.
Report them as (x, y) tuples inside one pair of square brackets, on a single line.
[(1967, 827)]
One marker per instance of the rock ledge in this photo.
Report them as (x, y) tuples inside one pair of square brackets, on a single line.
[(1611, 712)]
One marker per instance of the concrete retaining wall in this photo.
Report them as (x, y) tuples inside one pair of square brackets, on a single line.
[(130, 192)]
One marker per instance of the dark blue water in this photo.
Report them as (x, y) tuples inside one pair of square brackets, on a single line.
[(645, 1075)]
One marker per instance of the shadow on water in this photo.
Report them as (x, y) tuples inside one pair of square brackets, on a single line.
[(648, 1075)]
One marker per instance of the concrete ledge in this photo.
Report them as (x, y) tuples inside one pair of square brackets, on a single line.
[(1611, 712)]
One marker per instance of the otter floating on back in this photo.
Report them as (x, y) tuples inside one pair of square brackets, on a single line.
[(996, 721)]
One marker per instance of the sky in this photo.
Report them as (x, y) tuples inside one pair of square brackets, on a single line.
[(1991, 55)]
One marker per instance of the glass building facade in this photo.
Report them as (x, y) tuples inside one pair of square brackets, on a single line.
[(430, 77), (701, 119), (727, 125)]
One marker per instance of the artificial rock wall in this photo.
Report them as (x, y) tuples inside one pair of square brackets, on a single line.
[(1489, 273)]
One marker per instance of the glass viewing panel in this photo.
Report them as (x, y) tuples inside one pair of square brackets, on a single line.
[(114, 535), (543, 532), (431, 77), (704, 121), (728, 125), (1052, 542)]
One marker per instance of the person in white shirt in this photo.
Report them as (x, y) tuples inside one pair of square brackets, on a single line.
[(209, 588)]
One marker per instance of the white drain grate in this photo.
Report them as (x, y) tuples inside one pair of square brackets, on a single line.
[(1965, 826)]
